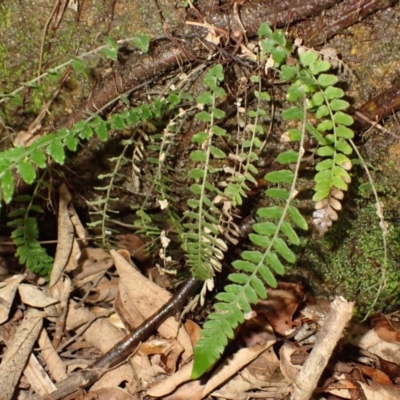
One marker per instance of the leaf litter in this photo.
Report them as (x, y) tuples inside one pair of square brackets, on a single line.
[(282, 346)]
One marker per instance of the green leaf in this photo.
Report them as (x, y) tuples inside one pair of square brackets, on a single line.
[(117, 122), (324, 126), (344, 147), (290, 233), (267, 275), (321, 195), (200, 137), (294, 93), (100, 128), (78, 65), (308, 57), (265, 228), (277, 193), (332, 92), (288, 157), (216, 152), (239, 278), (250, 294), (38, 158), (323, 165), (316, 100), (327, 80), (264, 30), (342, 118), (111, 42), (253, 256), (293, 113), (204, 116), (196, 173), (142, 42), (7, 186), (205, 98), (338, 104), (244, 265), (198, 156), (288, 72), (26, 171), (319, 66), (343, 161), (317, 136), (282, 248), (297, 218), (259, 240), (112, 54), (259, 287), (273, 260), (282, 176), (326, 151), (322, 111), (344, 132), (56, 151), (218, 130), (278, 54), (269, 212)]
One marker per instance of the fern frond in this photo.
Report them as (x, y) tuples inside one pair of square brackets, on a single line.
[(25, 236)]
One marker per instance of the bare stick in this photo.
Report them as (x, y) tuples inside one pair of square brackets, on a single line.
[(340, 313)]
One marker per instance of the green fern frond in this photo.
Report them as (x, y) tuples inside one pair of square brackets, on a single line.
[(25, 236), (202, 244)]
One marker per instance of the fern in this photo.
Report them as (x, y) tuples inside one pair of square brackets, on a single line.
[(275, 232), (25, 237), (204, 248)]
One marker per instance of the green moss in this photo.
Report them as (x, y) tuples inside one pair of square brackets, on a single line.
[(350, 260)]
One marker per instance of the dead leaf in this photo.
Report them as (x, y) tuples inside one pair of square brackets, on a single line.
[(377, 391), (8, 289), (110, 393), (136, 247), (65, 235), (384, 329), (18, 352), (289, 370), (124, 374), (32, 296), (149, 298)]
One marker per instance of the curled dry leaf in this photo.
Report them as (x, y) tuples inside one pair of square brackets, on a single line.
[(8, 289), (135, 246)]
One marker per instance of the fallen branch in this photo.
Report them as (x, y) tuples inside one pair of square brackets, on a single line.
[(340, 313)]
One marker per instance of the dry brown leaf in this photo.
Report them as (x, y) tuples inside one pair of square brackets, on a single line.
[(74, 257), (365, 338), (149, 298), (94, 261), (288, 370), (100, 333), (65, 236), (32, 296), (280, 307), (375, 374), (55, 366), (110, 393), (124, 374), (38, 378), (18, 352), (134, 245), (8, 288), (193, 331), (376, 391), (384, 329)]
